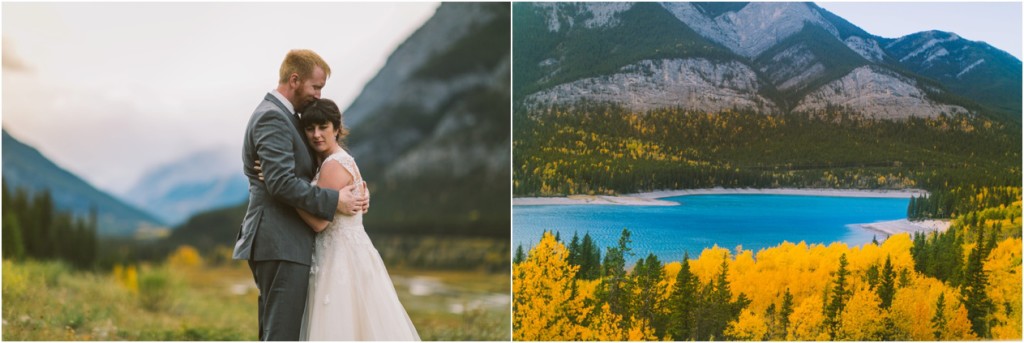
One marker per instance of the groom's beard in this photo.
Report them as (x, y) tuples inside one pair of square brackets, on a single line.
[(303, 101)]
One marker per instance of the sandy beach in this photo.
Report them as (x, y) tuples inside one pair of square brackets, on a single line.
[(905, 226), (654, 198)]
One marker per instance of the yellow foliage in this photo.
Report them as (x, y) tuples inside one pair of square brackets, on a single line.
[(550, 305), (604, 327), (806, 321), (861, 317), (640, 330), (749, 327), (544, 306), (1004, 271), (185, 257), (127, 277)]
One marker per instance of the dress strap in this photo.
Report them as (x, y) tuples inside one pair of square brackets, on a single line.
[(347, 162)]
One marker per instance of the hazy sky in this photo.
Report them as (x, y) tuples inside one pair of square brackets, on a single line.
[(996, 23), (110, 90)]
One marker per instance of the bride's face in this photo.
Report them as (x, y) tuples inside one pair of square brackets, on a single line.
[(322, 137)]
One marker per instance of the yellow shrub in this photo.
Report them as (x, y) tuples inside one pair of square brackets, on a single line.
[(185, 257)]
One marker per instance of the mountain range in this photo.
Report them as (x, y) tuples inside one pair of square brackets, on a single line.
[(194, 183), (26, 168), (767, 56)]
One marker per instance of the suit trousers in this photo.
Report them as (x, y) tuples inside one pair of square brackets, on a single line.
[(283, 286)]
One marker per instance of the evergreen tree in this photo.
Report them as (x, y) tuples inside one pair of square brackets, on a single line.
[(646, 304), (613, 289), (939, 320), (574, 250), (590, 267), (871, 276), (911, 208), (904, 278), (837, 300), (520, 255), (682, 304), (13, 244), (887, 285), (772, 322), (972, 291), (785, 311), (718, 308)]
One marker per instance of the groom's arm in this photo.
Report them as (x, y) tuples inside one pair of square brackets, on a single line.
[(275, 149)]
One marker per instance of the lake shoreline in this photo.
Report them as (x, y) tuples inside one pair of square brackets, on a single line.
[(655, 198), (894, 227)]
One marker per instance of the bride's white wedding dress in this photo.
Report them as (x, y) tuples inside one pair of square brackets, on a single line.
[(351, 296)]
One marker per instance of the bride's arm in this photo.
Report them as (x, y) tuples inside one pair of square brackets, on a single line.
[(332, 176)]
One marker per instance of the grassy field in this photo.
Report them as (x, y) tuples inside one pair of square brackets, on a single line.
[(49, 301)]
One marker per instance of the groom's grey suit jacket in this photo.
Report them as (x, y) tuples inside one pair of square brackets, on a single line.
[(272, 229)]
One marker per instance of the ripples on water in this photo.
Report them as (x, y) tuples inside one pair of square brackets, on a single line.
[(753, 221)]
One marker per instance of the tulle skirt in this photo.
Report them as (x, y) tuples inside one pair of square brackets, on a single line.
[(351, 297)]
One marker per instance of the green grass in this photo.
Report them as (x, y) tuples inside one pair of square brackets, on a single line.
[(48, 301)]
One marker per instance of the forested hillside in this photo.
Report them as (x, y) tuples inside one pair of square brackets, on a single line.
[(605, 149)]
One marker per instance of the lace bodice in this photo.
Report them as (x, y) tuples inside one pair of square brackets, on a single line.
[(342, 157), (344, 227)]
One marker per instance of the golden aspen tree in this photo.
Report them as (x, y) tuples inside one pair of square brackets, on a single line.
[(544, 305)]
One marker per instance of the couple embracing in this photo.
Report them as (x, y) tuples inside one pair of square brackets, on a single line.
[(319, 276)]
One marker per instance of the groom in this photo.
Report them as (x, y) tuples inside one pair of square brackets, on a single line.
[(273, 238)]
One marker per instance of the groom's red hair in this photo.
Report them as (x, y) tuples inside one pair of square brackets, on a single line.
[(301, 62)]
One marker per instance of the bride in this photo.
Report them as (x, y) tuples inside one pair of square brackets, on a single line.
[(351, 296)]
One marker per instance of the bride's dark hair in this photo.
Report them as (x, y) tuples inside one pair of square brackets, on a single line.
[(323, 111)]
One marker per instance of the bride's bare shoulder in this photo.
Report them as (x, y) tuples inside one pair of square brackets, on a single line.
[(334, 175)]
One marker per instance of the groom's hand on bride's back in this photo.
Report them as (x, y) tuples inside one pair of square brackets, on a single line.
[(349, 203)]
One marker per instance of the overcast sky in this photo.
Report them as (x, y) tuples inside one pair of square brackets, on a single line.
[(111, 90), (996, 23)]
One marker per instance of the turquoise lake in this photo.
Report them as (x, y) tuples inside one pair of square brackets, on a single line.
[(753, 221)]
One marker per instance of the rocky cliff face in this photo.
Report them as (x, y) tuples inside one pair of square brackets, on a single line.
[(754, 28), (430, 131), (697, 84), (780, 57), (436, 36), (877, 93)]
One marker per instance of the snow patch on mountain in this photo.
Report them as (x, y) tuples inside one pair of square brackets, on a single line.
[(975, 64), (928, 45), (936, 54)]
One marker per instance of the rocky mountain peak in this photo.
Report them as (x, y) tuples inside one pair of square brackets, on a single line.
[(751, 29), (766, 56)]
